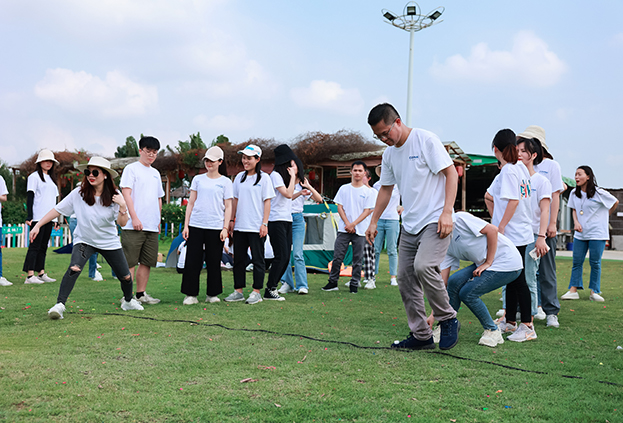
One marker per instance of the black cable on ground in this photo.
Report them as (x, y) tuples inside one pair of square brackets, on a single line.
[(338, 342)]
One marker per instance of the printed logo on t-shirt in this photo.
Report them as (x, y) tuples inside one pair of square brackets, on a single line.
[(220, 186), (544, 172), (413, 157), (525, 188), (362, 195), (457, 237)]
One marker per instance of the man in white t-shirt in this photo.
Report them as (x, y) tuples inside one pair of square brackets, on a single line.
[(355, 202), (3, 197), (141, 187), (418, 163), (548, 284)]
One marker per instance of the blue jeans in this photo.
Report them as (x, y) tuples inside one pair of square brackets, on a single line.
[(298, 239), (388, 229), (596, 249), (463, 286), (92, 260)]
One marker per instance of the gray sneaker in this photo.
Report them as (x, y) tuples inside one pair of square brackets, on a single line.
[(235, 296), (148, 299), (254, 298)]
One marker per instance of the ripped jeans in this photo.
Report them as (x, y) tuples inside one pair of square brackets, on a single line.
[(80, 255)]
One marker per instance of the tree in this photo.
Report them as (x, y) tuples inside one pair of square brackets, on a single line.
[(130, 149), (221, 139), (5, 173)]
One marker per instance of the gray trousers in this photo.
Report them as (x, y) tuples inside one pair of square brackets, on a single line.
[(419, 258), (547, 279), (339, 251)]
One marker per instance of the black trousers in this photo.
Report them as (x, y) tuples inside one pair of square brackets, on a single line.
[(80, 255), (280, 233), (242, 241), (518, 293), (38, 248), (198, 239)]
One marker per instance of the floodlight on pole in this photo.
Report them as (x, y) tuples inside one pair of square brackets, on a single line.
[(412, 20)]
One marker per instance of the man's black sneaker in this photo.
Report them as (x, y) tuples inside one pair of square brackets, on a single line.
[(449, 333), (270, 294), (353, 288), (414, 344), (331, 286)]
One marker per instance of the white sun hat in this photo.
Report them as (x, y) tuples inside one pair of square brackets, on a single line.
[(98, 162), (213, 154), (46, 154), (534, 131)]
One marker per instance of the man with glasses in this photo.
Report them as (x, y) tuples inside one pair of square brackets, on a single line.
[(141, 187), (418, 163)]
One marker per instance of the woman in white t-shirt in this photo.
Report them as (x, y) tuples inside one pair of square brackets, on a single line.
[(206, 227), (253, 191), (495, 263), (591, 207), (99, 207), (508, 198), (42, 192)]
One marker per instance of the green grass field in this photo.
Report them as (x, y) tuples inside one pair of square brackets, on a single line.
[(187, 363)]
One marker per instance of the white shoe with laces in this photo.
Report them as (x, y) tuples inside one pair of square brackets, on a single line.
[(540, 314), (98, 276), (285, 289), (596, 297), (303, 291), (148, 299), (393, 282), (491, 338), (552, 321), (189, 300), (500, 312), (212, 299), (371, 284), (505, 327), (523, 333), (570, 296), (45, 278), (4, 282), (57, 311), (133, 304), (33, 280), (436, 334)]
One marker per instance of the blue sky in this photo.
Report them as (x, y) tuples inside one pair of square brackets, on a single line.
[(81, 74)]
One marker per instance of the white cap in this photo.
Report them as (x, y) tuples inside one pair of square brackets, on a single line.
[(251, 150)]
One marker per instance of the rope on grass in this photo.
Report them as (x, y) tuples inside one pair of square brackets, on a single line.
[(311, 338)]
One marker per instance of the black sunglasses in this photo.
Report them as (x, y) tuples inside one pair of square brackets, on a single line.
[(88, 173)]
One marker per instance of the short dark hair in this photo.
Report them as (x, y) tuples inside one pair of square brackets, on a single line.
[(359, 162), (385, 112), (506, 141), (532, 145), (591, 184), (149, 142)]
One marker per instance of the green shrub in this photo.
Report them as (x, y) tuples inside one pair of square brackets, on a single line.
[(172, 213), (13, 212)]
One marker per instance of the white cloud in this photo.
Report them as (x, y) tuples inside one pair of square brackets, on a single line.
[(115, 96), (529, 62), (223, 123), (328, 95)]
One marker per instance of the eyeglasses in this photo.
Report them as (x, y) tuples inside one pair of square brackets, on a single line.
[(93, 172), (150, 152), (385, 134)]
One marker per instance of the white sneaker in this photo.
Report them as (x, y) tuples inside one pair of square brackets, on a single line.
[(228, 266), (552, 321), (505, 327), (148, 299), (491, 338), (133, 304), (500, 312), (436, 334), (212, 299), (57, 311), (303, 291), (189, 300), (250, 268), (98, 276), (371, 284), (523, 333), (570, 296), (98, 266), (33, 280), (540, 314), (4, 282), (46, 278), (285, 289), (596, 297), (254, 298), (393, 282)]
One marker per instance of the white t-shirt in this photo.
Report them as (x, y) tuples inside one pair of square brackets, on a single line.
[(299, 202), (181, 258), (551, 170), (45, 194), (97, 224), (3, 191), (250, 209), (209, 208), (592, 213), (541, 188), (513, 183), (469, 244), (146, 186), (355, 201), (280, 206), (391, 211), (416, 169)]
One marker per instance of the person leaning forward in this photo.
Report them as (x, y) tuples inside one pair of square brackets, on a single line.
[(418, 163)]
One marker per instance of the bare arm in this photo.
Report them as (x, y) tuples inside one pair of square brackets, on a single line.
[(228, 214), (362, 216), (444, 225), (511, 207), (264, 228), (347, 225), (541, 246), (122, 217), (315, 194), (553, 218), (613, 208), (189, 210), (127, 196), (491, 232), (489, 203), (3, 198), (234, 206), (576, 223), (51, 215)]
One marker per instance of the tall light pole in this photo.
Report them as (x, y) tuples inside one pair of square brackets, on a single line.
[(412, 20)]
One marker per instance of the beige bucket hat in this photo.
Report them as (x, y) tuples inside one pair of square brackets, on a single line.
[(98, 162), (46, 154)]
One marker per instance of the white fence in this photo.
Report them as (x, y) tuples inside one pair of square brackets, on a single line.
[(16, 236)]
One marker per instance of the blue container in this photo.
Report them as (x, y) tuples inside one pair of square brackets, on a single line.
[(569, 246)]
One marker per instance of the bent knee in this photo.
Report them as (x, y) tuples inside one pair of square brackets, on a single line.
[(74, 269)]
